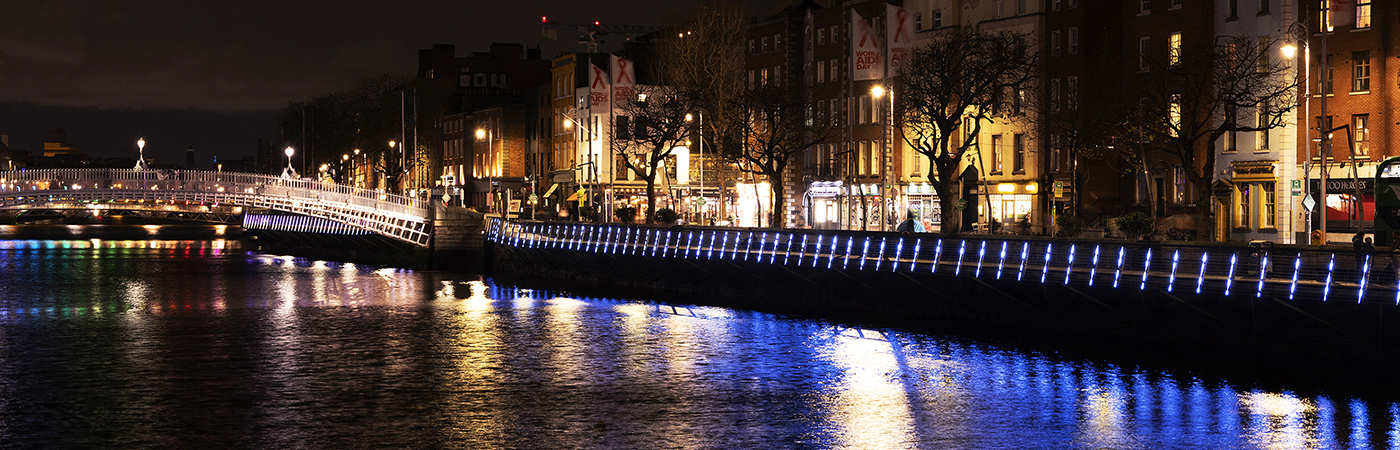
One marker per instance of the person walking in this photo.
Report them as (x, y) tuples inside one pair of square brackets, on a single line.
[(910, 224)]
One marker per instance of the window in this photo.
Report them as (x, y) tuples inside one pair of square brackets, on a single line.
[(821, 109), (867, 157), (763, 76), (1361, 71), (1018, 147), (1144, 7), (1175, 4), (1325, 84), (863, 113), (1054, 152), (1174, 115), (1264, 61), (835, 73), (777, 42), (1178, 184), (1055, 43), (1264, 7), (1073, 41), (1267, 205), (834, 38), (765, 44), (937, 18), (1055, 95), (777, 75), (1144, 43), (821, 71), (835, 118), (1073, 3), (1361, 134), (1054, 5), (751, 79), (1020, 7), (1363, 14), (1261, 121), (1323, 13), (1174, 49), (1072, 93), (1019, 102), (751, 47), (821, 36), (996, 154), (1242, 205), (918, 21), (1234, 10)]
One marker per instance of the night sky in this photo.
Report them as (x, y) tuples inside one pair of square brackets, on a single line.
[(212, 74)]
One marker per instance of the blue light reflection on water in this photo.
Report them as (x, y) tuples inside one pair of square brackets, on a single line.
[(294, 352)]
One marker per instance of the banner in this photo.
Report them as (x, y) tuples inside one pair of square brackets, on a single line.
[(899, 29), (865, 51), (1341, 13), (623, 78), (597, 87)]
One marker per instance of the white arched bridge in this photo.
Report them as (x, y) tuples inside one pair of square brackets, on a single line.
[(398, 217)]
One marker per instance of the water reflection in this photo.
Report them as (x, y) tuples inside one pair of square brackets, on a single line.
[(296, 352)]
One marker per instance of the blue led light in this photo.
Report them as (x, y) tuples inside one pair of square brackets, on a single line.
[(1118, 273), (666, 246), (748, 246), (845, 262), (762, 243), (1001, 259), (1171, 279), (1201, 277), (787, 253), (1070, 264), (1263, 270), (692, 249), (1025, 254), (714, 235), (1365, 273), (1045, 270), (1230, 276), (914, 265), (937, 256), (962, 249), (879, 258), (981, 255), (1146, 265), (723, 245), (817, 252), (1095, 267), (830, 258), (1293, 285), (864, 252), (1327, 288), (898, 252), (803, 253)]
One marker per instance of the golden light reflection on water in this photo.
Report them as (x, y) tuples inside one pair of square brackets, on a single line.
[(477, 359), (868, 408), (1279, 420)]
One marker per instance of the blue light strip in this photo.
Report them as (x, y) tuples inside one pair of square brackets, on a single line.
[(714, 235), (1327, 287), (830, 259), (1117, 273), (1146, 266), (1070, 264), (1045, 270), (981, 254), (914, 265), (1025, 254), (881, 256), (817, 252), (1001, 259), (1201, 277), (1171, 279), (1263, 271), (666, 245), (692, 248), (1365, 273), (938, 257), (847, 260), (864, 252), (787, 253), (962, 250), (723, 245), (898, 253), (1292, 285), (748, 246), (1230, 276), (762, 243), (803, 252)]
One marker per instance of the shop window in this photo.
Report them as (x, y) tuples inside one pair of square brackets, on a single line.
[(1268, 205), (1242, 205)]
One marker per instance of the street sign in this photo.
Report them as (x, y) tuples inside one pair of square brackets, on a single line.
[(1059, 189), (1308, 203)]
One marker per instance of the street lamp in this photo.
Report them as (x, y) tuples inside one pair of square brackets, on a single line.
[(289, 173), (701, 147), (141, 152), (1298, 33)]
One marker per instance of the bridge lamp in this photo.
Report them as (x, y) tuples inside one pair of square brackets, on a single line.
[(393, 144), (289, 151)]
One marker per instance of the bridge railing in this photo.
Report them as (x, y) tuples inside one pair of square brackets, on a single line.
[(28, 181), (1177, 268)]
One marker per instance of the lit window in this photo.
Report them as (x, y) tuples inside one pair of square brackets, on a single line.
[(1174, 49), (1361, 71), (1363, 14), (1242, 206), (1174, 115), (821, 71), (1361, 124), (1324, 11), (1267, 205)]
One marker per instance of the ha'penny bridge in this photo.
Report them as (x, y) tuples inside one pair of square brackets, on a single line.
[(1166, 290), (303, 206)]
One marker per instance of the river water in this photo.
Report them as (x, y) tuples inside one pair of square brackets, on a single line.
[(196, 343)]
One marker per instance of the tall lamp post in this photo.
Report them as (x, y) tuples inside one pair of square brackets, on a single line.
[(141, 154), (1298, 33), (490, 136), (701, 147)]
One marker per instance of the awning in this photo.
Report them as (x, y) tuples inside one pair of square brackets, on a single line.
[(551, 189)]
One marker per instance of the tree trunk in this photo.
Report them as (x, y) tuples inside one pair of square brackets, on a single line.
[(775, 214), (651, 199)]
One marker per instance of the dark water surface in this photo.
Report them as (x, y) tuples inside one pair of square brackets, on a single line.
[(198, 344)]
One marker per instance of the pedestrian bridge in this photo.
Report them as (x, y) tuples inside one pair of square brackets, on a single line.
[(1172, 268), (398, 217)]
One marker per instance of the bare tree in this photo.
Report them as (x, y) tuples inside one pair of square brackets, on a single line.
[(656, 125), (957, 78), (779, 127), (706, 57), (365, 117), (1189, 102)]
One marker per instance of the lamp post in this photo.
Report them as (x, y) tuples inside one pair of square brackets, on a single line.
[(141, 154), (700, 115), (487, 166), (569, 123), (289, 173), (878, 92), (1298, 33)]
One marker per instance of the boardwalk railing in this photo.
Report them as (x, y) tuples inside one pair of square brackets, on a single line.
[(1178, 268), (399, 217)]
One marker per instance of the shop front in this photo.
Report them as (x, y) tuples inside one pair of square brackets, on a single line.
[(1012, 206), (1350, 204), (824, 205), (922, 200)]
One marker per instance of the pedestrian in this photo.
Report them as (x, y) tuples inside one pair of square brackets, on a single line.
[(1359, 251), (910, 224)]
